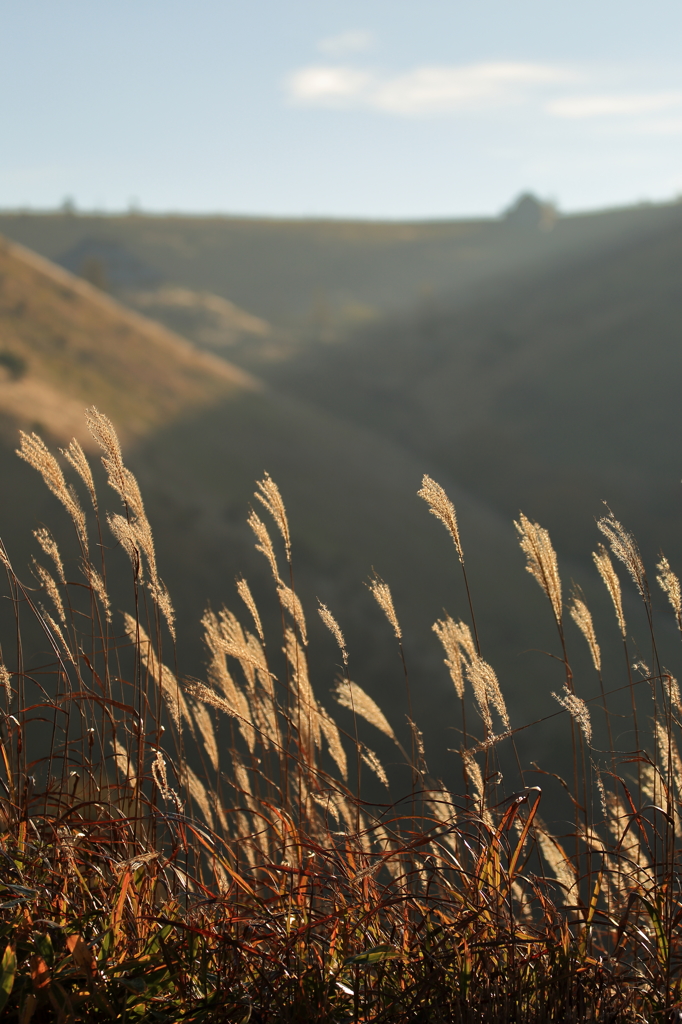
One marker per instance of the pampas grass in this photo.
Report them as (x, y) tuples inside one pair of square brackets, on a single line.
[(178, 849)]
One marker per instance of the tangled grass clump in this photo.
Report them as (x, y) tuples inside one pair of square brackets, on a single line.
[(200, 850)]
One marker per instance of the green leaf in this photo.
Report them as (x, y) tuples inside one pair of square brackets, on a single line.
[(8, 969), (375, 955)]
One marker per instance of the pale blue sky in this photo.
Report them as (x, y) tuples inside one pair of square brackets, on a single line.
[(371, 108)]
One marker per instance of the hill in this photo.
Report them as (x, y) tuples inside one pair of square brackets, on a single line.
[(199, 432), (550, 390), (65, 343), (311, 280)]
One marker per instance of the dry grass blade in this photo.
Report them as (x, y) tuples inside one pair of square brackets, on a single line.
[(580, 614), (542, 561), (441, 507), (381, 592), (268, 494)]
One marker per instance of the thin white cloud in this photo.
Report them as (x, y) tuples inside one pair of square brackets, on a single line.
[(328, 86), (425, 91), (614, 105), (346, 42), (441, 90)]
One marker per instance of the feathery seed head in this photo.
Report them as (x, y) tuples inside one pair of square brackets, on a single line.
[(51, 588), (290, 601), (354, 698), (578, 710), (612, 583), (542, 561), (75, 455), (264, 543), (6, 681), (247, 597), (49, 546), (381, 592), (33, 450), (334, 628), (624, 547), (580, 614), (447, 633), (268, 494), (442, 508), (373, 763), (670, 584)]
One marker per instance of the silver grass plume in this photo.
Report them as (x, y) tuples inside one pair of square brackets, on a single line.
[(353, 697), (558, 862), (291, 603), (330, 731), (204, 724), (481, 676), (446, 631), (49, 546), (306, 712), (624, 547), (264, 543), (582, 617), (160, 673), (56, 629), (670, 585), (541, 560), (268, 494), (198, 793), (334, 628), (51, 588), (75, 455), (612, 584), (442, 508), (374, 764), (159, 775), (33, 450), (247, 597), (381, 592), (578, 710), (6, 681)]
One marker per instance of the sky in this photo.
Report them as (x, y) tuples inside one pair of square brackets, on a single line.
[(396, 109)]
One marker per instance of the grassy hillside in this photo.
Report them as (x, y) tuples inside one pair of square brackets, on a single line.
[(317, 279), (198, 432), (550, 390)]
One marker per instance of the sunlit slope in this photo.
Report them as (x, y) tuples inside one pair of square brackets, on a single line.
[(64, 344), (550, 391)]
